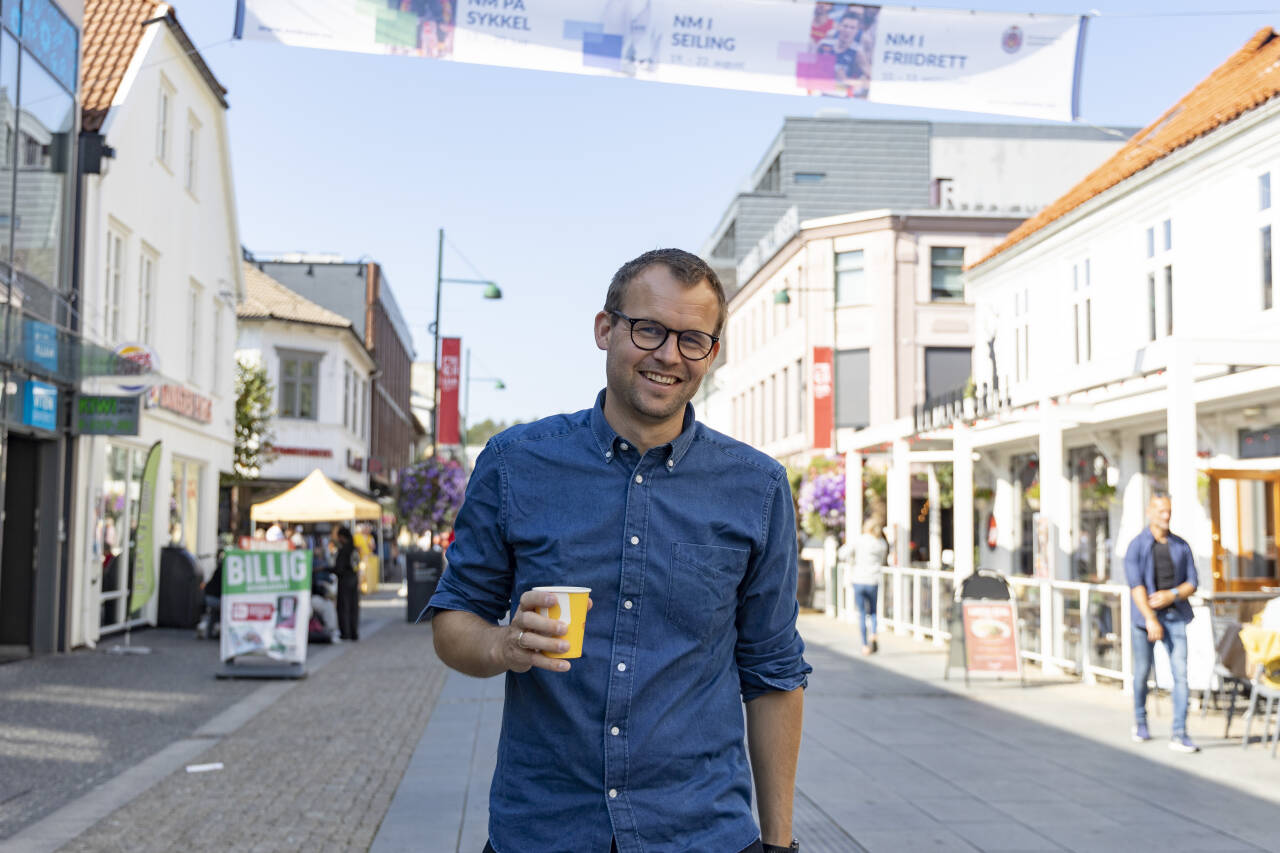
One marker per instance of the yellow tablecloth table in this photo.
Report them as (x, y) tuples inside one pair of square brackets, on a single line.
[(1262, 645)]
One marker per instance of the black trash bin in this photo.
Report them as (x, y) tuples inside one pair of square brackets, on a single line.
[(422, 573), (180, 600)]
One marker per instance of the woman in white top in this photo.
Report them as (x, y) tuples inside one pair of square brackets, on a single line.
[(869, 554)]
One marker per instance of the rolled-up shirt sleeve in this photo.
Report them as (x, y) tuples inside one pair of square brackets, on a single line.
[(479, 571), (769, 650)]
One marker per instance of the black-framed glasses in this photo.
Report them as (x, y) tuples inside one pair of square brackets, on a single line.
[(651, 335)]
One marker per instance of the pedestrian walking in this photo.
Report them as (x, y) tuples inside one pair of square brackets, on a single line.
[(1161, 573), (864, 559), (346, 565), (686, 539)]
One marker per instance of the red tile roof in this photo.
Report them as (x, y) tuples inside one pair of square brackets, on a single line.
[(267, 299), (1248, 79), (112, 31)]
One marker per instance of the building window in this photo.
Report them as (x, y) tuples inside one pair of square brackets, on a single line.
[(1168, 300), (193, 150), (1167, 228), (853, 394), (946, 370), (1088, 330), (1075, 320), (810, 177), (786, 400), (115, 286), (184, 505), (1151, 242), (217, 347), (771, 180), (1082, 313), (946, 266), (299, 374), (193, 331), (164, 121), (1151, 306), (726, 247), (347, 411), (851, 279), (146, 294), (1264, 191), (1267, 276), (364, 403)]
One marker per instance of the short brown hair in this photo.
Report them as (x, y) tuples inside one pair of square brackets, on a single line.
[(688, 269)]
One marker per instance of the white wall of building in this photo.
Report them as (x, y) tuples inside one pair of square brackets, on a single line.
[(341, 425), (173, 286)]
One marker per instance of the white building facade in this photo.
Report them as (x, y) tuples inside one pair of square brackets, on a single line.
[(161, 280), (320, 372)]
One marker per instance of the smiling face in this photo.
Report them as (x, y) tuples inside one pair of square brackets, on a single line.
[(647, 390)]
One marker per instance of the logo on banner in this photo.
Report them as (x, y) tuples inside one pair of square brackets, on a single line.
[(1011, 41), (143, 363)]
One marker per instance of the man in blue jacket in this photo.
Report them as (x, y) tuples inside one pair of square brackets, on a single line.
[(1162, 576)]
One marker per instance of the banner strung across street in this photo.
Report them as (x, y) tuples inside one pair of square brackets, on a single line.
[(266, 604), (993, 62)]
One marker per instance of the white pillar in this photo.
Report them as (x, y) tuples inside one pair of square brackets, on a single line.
[(935, 517), (962, 502), (1133, 511), (1055, 496), (852, 495), (898, 500), (1004, 506), (1188, 518)]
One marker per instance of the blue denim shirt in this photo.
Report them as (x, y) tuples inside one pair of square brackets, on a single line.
[(1140, 568), (690, 553)]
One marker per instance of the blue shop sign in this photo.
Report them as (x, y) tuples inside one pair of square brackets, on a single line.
[(40, 344), (40, 405)]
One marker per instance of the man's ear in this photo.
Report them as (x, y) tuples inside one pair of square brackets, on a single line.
[(603, 326)]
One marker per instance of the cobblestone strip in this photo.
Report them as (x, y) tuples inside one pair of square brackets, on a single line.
[(316, 771)]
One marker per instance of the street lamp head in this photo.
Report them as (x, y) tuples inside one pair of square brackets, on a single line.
[(492, 291), (499, 385), (782, 297)]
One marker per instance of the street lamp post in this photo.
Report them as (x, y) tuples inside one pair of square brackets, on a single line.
[(498, 384), (491, 291)]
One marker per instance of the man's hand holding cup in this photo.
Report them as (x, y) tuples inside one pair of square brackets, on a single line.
[(547, 629)]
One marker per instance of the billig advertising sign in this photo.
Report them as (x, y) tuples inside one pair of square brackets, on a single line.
[(266, 605)]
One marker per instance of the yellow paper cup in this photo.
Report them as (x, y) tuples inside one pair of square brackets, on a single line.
[(571, 608)]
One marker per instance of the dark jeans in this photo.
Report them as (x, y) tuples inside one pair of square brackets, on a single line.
[(349, 606), (753, 847)]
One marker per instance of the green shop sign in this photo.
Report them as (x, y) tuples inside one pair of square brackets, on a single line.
[(99, 415), (266, 571)]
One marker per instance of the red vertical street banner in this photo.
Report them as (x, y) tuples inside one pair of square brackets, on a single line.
[(824, 398), (450, 370)]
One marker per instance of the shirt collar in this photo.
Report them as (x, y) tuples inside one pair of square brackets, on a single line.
[(607, 439)]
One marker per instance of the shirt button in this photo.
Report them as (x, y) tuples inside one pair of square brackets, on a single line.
[(671, 463), (614, 731), (613, 793), (608, 454), (627, 604), (624, 446), (639, 478), (622, 667), (635, 540)]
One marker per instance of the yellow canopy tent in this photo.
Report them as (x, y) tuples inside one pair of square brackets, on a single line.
[(316, 498)]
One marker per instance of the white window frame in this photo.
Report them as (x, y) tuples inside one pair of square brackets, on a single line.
[(216, 378), (164, 121), (191, 162), (147, 261), (844, 295), (113, 284), (1082, 311), (195, 294), (1157, 278), (1266, 231)]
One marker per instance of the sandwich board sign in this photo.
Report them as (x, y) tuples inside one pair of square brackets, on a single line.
[(266, 607)]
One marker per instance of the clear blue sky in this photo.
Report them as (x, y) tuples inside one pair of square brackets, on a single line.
[(548, 182)]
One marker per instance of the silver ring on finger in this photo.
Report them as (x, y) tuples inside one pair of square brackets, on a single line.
[(520, 639)]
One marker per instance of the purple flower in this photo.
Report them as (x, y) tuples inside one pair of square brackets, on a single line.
[(431, 493)]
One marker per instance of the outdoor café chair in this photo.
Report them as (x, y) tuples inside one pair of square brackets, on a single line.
[(1229, 674), (1263, 688)]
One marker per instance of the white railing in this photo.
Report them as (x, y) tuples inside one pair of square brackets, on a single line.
[(1064, 626)]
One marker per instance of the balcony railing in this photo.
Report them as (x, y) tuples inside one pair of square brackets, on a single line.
[(945, 409)]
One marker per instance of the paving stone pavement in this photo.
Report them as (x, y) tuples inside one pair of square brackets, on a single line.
[(315, 770)]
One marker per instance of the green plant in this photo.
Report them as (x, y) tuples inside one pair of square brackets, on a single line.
[(253, 437)]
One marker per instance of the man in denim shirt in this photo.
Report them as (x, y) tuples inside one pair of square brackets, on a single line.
[(687, 541), (1161, 575)]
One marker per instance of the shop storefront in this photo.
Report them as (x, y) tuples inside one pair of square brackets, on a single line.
[(39, 340)]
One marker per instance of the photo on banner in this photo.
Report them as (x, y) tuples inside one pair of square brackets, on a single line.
[(1007, 63)]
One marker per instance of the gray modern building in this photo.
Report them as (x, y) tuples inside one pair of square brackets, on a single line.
[(832, 166)]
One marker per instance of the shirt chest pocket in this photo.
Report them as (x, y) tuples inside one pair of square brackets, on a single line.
[(703, 588)]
